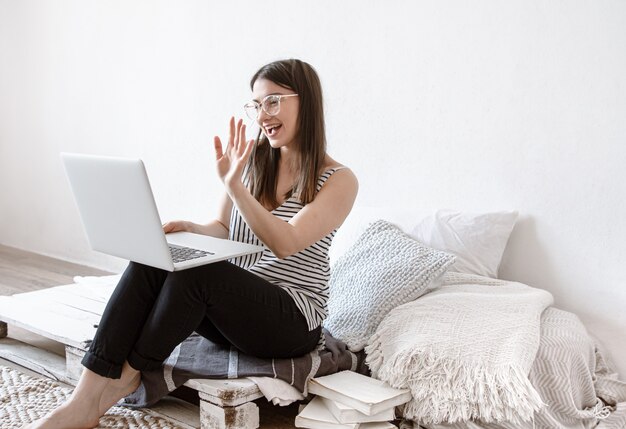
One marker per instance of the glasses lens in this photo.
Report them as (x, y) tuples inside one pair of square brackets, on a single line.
[(251, 110), (271, 105)]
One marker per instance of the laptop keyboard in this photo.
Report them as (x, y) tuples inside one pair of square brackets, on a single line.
[(181, 254)]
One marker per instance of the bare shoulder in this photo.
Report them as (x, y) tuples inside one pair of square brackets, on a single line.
[(343, 177), (338, 192)]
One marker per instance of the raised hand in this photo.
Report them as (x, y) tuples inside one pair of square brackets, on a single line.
[(232, 160)]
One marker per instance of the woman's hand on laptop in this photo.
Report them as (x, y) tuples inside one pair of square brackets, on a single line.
[(176, 226), (214, 228)]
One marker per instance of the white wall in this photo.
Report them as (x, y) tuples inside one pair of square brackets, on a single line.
[(467, 105)]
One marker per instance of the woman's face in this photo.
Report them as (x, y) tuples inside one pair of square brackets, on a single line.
[(281, 129)]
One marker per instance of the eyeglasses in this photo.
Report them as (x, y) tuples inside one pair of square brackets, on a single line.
[(270, 105)]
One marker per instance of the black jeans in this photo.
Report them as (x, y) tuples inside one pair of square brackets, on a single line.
[(151, 311)]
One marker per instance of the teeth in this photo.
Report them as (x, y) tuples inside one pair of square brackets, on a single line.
[(271, 128)]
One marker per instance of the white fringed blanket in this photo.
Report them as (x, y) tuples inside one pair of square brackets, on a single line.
[(464, 350)]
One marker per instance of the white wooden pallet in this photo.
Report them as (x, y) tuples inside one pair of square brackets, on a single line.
[(70, 315)]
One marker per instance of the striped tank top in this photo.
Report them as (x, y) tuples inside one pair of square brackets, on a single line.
[(303, 275)]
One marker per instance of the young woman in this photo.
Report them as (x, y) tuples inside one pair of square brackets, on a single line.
[(282, 190)]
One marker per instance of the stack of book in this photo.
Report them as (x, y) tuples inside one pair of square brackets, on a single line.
[(350, 400)]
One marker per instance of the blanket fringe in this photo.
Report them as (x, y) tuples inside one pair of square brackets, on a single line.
[(453, 390)]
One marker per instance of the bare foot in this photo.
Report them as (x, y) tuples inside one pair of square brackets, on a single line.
[(91, 399), (67, 416), (117, 389)]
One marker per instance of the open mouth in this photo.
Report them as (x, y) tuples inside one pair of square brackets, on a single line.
[(272, 130)]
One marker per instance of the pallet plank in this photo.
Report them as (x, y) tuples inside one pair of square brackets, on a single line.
[(95, 291), (41, 303), (41, 361), (64, 297), (60, 327)]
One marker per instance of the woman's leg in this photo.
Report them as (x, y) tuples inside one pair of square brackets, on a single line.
[(208, 330), (81, 410), (257, 317), (107, 377), (153, 311), (90, 400), (127, 310)]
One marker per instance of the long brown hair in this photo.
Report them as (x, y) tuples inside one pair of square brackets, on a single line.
[(262, 168)]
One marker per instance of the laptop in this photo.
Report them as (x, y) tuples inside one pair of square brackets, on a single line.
[(120, 217)]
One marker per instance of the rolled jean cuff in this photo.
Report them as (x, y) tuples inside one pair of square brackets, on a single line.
[(141, 363), (101, 366)]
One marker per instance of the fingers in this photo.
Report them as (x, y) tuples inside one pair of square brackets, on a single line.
[(175, 226), (231, 134), (238, 141), (236, 138), (242, 139), (217, 143), (248, 151)]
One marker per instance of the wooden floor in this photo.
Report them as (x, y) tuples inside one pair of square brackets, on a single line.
[(22, 271)]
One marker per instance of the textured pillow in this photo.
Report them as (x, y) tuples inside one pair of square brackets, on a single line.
[(476, 239), (383, 269)]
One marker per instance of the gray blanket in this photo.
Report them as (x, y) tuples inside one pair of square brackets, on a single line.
[(572, 376), (197, 357)]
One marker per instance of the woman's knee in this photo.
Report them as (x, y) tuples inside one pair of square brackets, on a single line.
[(139, 277), (135, 270), (185, 284), (203, 279)]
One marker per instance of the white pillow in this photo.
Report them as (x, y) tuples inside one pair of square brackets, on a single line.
[(385, 268), (476, 239)]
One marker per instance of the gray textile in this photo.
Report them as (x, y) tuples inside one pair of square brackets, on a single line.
[(572, 378), (197, 357)]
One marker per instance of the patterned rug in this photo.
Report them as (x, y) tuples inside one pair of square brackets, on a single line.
[(24, 399)]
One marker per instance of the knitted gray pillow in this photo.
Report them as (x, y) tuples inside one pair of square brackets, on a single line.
[(383, 269)]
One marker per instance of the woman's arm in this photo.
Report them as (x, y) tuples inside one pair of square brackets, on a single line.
[(318, 218), (326, 212), (216, 228)]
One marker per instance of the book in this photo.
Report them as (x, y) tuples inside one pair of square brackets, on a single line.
[(378, 425), (315, 415), (345, 414), (364, 394)]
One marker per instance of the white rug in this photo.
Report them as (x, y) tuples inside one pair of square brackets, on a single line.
[(24, 399)]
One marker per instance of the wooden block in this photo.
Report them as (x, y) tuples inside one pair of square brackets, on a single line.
[(244, 416), (73, 367), (4, 330), (182, 414), (226, 393), (38, 360)]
